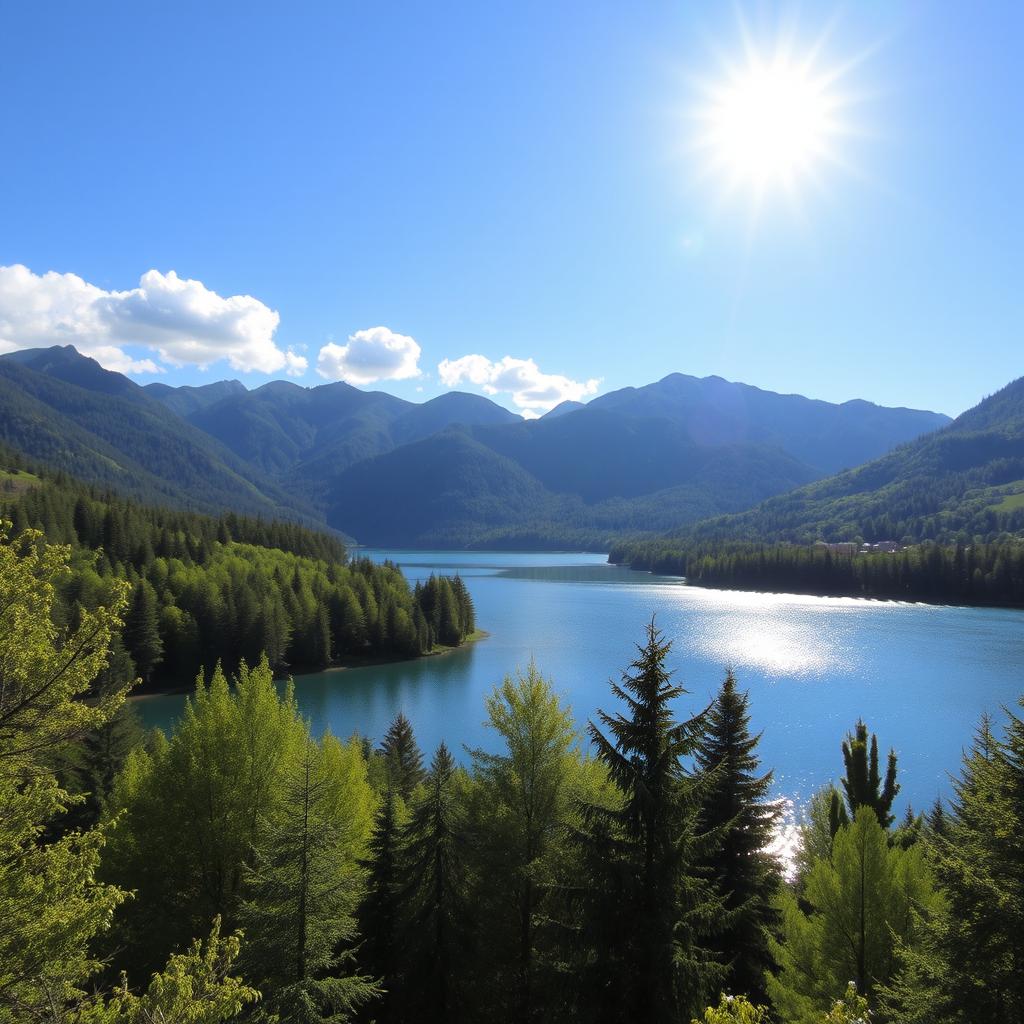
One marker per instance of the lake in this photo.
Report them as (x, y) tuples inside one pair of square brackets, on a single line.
[(919, 675)]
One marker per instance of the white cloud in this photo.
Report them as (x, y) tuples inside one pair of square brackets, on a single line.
[(114, 358), (296, 364), (371, 355), (180, 320), (532, 391)]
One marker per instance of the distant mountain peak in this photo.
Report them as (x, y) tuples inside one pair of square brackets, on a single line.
[(562, 408)]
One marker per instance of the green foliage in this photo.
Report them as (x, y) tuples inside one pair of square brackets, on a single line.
[(852, 1008), (862, 784), (736, 813), (644, 906), (402, 756), (380, 910), (433, 925), (972, 967), (196, 987), (233, 589), (962, 573), (303, 888), (860, 903), (52, 904), (734, 1010), (524, 793), (197, 805)]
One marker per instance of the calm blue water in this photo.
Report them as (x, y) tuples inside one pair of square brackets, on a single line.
[(919, 675)]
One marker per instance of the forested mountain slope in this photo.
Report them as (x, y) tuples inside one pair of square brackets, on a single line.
[(66, 411), (458, 470), (961, 482), (951, 505)]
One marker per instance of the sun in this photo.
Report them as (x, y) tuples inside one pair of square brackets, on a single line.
[(771, 122)]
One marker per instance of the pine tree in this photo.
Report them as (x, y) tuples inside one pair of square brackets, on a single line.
[(434, 920), (645, 905), (526, 791), (863, 784), (464, 602), (379, 911), (403, 757), (735, 812), (98, 756), (302, 894), (979, 858), (142, 630), (864, 900)]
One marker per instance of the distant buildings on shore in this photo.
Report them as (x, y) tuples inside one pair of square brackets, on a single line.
[(849, 547)]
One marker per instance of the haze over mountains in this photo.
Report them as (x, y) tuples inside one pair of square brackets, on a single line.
[(457, 470)]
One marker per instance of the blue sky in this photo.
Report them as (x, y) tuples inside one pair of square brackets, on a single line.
[(512, 182)]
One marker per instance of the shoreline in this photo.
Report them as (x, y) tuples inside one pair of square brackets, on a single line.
[(932, 602), (364, 661)]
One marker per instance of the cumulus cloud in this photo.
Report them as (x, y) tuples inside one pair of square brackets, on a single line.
[(295, 365), (180, 320), (371, 355), (532, 391)]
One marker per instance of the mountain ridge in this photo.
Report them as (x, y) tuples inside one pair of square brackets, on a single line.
[(639, 459)]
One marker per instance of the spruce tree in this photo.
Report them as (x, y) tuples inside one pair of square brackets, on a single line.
[(979, 860), (299, 915), (862, 784), (402, 756), (434, 915), (98, 756), (736, 814), (379, 911), (645, 905), (142, 630), (526, 795)]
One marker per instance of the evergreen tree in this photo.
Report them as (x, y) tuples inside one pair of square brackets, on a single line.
[(380, 910), (858, 905), (434, 920), (862, 784), (645, 906), (142, 630), (98, 756), (735, 812), (526, 791), (978, 860), (403, 757), (302, 894)]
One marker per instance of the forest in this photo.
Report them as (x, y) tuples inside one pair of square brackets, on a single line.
[(971, 574), (243, 868), (204, 590)]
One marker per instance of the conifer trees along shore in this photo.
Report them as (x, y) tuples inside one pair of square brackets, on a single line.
[(242, 868), (205, 590)]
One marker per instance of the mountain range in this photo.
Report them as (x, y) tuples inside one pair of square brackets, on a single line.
[(457, 470), (961, 482)]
